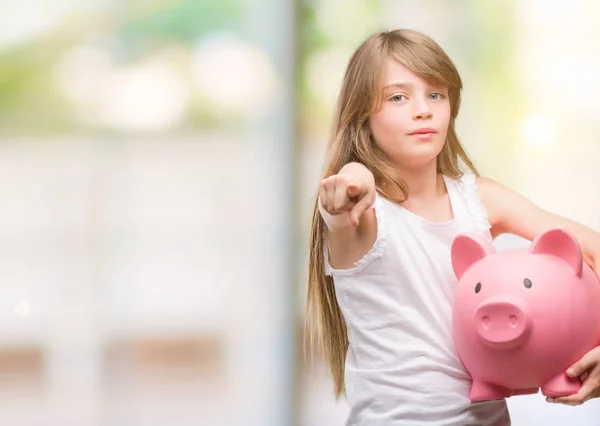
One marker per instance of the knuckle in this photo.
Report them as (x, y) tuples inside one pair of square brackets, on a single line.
[(342, 181)]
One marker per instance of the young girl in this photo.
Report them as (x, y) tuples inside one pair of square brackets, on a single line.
[(392, 199)]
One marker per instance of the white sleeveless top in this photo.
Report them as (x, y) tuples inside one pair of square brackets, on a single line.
[(401, 366)]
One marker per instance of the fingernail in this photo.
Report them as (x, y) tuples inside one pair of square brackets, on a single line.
[(552, 400), (571, 372)]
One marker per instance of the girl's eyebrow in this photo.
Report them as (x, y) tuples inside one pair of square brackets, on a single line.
[(400, 85), (406, 85)]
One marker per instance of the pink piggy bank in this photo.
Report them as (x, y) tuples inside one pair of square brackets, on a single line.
[(522, 317)]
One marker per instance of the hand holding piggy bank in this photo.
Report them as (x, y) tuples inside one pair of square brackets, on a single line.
[(522, 317)]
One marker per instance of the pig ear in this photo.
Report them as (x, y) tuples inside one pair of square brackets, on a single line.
[(560, 243), (466, 250)]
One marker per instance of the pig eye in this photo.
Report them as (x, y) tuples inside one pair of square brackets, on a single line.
[(527, 283), (478, 288)]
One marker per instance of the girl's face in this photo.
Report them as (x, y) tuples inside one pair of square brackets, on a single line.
[(411, 124)]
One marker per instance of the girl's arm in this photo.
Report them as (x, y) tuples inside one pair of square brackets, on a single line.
[(345, 202), (510, 212)]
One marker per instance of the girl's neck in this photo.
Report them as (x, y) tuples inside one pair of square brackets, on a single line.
[(423, 184)]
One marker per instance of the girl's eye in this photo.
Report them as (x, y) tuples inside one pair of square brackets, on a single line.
[(436, 96), (397, 98)]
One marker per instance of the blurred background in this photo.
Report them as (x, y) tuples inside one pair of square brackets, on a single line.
[(158, 166)]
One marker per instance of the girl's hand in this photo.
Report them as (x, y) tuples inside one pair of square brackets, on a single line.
[(588, 368), (347, 195)]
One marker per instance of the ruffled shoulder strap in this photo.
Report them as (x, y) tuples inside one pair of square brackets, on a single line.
[(467, 186)]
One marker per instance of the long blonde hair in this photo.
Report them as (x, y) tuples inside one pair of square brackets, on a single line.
[(351, 141)]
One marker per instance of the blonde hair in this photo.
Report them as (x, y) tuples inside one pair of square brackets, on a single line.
[(351, 141)]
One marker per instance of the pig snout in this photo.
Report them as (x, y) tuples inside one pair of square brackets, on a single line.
[(502, 322)]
